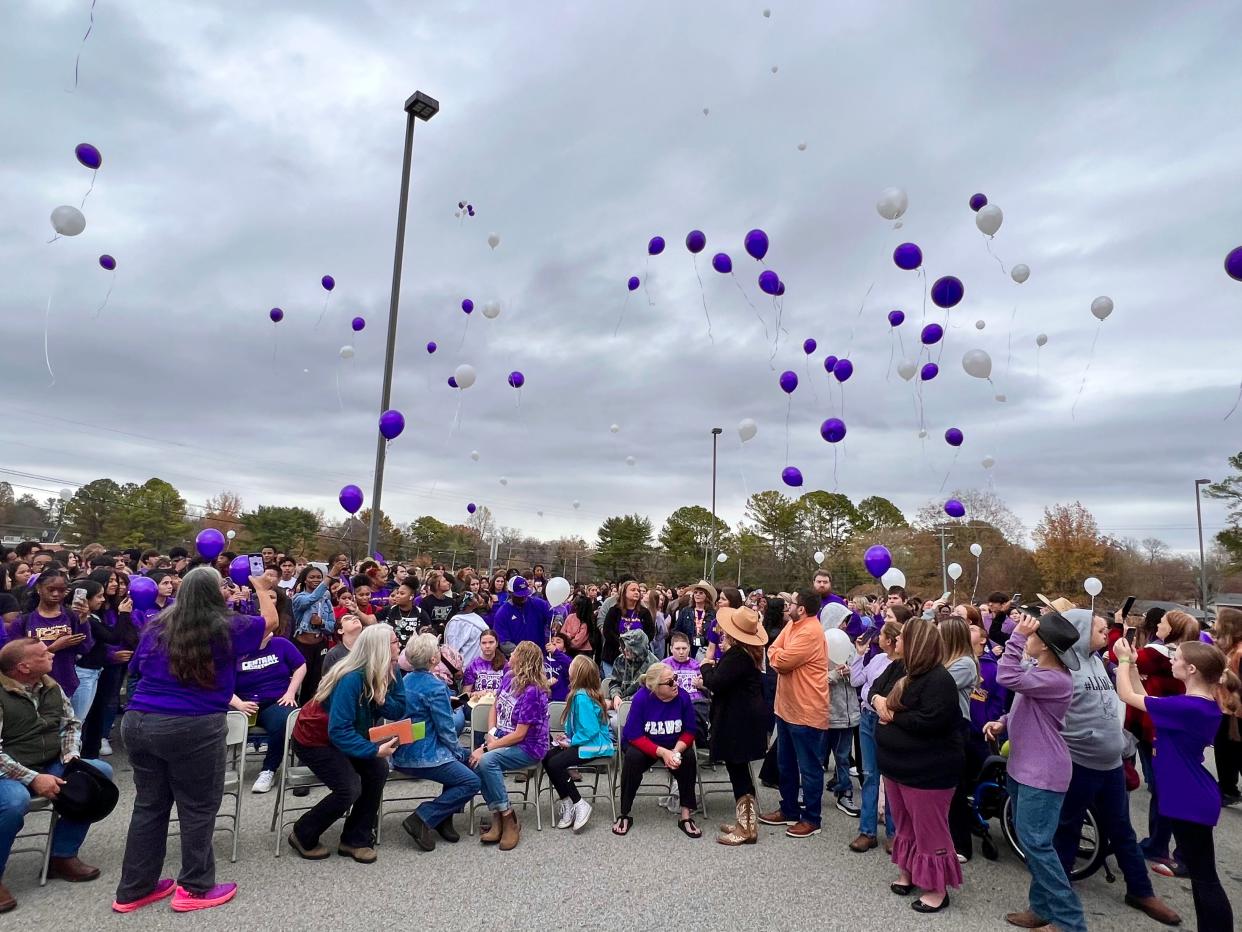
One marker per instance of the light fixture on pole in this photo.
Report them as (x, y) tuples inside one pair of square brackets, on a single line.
[(418, 107), (1202, 562), (716, 432)]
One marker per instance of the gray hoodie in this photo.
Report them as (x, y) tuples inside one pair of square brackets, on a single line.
[(1093, 724)]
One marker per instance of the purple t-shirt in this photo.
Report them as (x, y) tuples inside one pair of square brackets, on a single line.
[(662, 722), (1185, 725), (629, 622), (160, 692), (479, 675), (556, 666), (263, 676), (528, 708), (47, 630), (686, 674)]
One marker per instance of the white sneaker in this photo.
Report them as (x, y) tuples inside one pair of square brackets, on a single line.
[(264, 782), (105, 748), (581, 812), (564, 813)]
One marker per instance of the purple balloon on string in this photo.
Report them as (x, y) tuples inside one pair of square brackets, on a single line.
[(461, 205), (633, 283), (877, 560), (391, 423), (791, 476), (328, 282), (431, 346), (143, 590), (908, 256), (780, 289), (830, 363), (769, 282), (978, 202), (696, 241), (947, 291), (756, 243), (932, 334), (516, 379), (843, 370), (351, 498), (472, 508), (276, 314), (808, 345), (88, 155), (107, 262), (239, 569), (954, 509), (953, 437), (929, 371), (722, 263), (467, 306), (655, 246), (357, 324), (789, 381), (1233, 264), (452, 381), (833, 430), (209, 543), (896, 318), (470, 209)]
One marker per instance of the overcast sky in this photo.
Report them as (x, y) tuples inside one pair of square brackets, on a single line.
[(251, 149)]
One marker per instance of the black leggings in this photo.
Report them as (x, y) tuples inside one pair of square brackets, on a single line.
[(557, 765), (635, 763), (739, 776), (1228, 758), (1212, 909)]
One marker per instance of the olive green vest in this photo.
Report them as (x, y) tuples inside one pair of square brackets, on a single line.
[(31, 732)]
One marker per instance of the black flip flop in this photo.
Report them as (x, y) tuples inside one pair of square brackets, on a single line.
[(626, 822), (686, 824)]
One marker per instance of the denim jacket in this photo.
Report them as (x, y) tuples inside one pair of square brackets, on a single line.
[(306, 604), (427, 700)]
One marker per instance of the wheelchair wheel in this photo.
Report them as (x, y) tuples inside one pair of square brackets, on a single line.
[(1092, 850), (1010, 829)]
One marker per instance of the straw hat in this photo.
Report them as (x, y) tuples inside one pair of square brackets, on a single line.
[(708, 589), (1058, 604), (743, 625)]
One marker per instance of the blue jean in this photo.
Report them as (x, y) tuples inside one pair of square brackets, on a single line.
[(491, 770), (1159, 829), (870, 773), (15, 799), (459, 719), (1105, 792), (1036, 813), (839, 742), (800, 755), (272, 718), (460, 784), (84, 695)]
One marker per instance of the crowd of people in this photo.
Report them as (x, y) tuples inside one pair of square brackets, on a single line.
[(647, 675)]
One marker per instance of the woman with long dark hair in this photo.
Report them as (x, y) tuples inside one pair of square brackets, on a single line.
[(174, 729), (115, 614), (627, 614)]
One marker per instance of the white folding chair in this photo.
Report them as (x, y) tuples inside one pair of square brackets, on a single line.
[(479, 717), (234, 769), (39, 806), (607, 766), (624, 714), (291, 777)]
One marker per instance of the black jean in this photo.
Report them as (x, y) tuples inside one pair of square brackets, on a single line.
[(1212, 909), (313, 655), (557, 765), (1228, 758), (739, 776), (103, 709), (355, 784), (961, 816), (635, 763)]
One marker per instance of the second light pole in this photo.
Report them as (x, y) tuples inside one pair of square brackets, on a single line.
[(711, 548)]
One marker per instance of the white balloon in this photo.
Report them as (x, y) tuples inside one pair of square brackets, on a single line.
[(491, 309), (504, 481), (464, 375), (978, 363), (68, 221), (747, 428), (706, 111), (1041, 340), (840, 650), (346, 352), (819, 557), (231, 534), (1020, 272), (557, 590), (66, 494), (474, 455), (457, 213), (1093, 586), (989, 461), (615, 428), (988, 220), (540, 513), (630, 461), (892, 203), (493, 239), (1001, 398), (802, 147), (980, 324), (1101, 307), (894, 577), (722, 558), (955, 571), (576, 504), (767, 14), (906, 370), (775, 68), (976, 550), (922, 435)]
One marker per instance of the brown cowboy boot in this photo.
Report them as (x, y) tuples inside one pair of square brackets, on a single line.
[(746, 831), (727, 828), (511, 831), (493, 833)]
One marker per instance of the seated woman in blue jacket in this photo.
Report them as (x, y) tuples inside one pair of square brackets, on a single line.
[(438, 756), (332, 738)]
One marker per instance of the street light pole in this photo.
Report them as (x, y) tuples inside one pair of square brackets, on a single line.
[(711, 550), (418, 106), (1202, 562)]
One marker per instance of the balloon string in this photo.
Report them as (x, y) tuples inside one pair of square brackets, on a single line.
[(703, 295), (861, 305), (1236, 402), (456, 416), (975, 591), (621, 315), (1009, 349), (946, 475), (888, 373), (988, 244), (788, 412), (835, 481), (646, 273), (779, 309), (89, 190), (47, 321), (1037, 349), (464, 331), (108, 295), (324, 311), (77, 60), (1090, 359), (752, 306), (814, 390), (275, 342), (339, 400), (923, 275), (741, 467)]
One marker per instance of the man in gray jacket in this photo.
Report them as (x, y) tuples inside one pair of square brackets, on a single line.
[(1093, 731)]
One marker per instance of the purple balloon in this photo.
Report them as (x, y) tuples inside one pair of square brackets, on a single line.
[(791, 476), (780, 289), (467, 306), (830, 363), (722, 263), (896, 318), (452, 381), (769, 282), (757, 244), (929, 372), (276, 314), (351, 499), (954, 509), (461, 205), (696, 241), (472, 508), (908, 256), (328, 282), (142, 592), (633, 283), (877, 560), (470, 209), (239, 570), (843, 370), (88, 155), (1233, 264), (655, 246), (789, 381), (431, 346), (357, 323), (808, 345), (932, 334), (953, 437), (209, 543), (391, 423), (833, 430), (978, 202), (516, 379), (947, 291), (107, 262)]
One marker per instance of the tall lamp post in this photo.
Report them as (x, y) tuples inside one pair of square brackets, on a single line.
[(1202, 563), (716, 432), (418, 107)]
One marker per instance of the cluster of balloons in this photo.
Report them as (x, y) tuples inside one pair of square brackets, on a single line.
[(464, 208)]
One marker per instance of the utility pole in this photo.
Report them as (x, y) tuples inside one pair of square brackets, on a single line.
[(711, 547), (1202, 562)]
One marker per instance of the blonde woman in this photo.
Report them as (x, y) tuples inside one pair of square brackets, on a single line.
[(331, 738), (517, 738), (587, 738)]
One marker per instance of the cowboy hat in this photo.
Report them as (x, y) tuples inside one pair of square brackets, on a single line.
[(1058, 604), (742, 624), (86, 795), (708, 588)]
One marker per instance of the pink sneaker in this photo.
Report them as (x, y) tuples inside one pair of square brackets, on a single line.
[(184, 901), (162, 889)]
